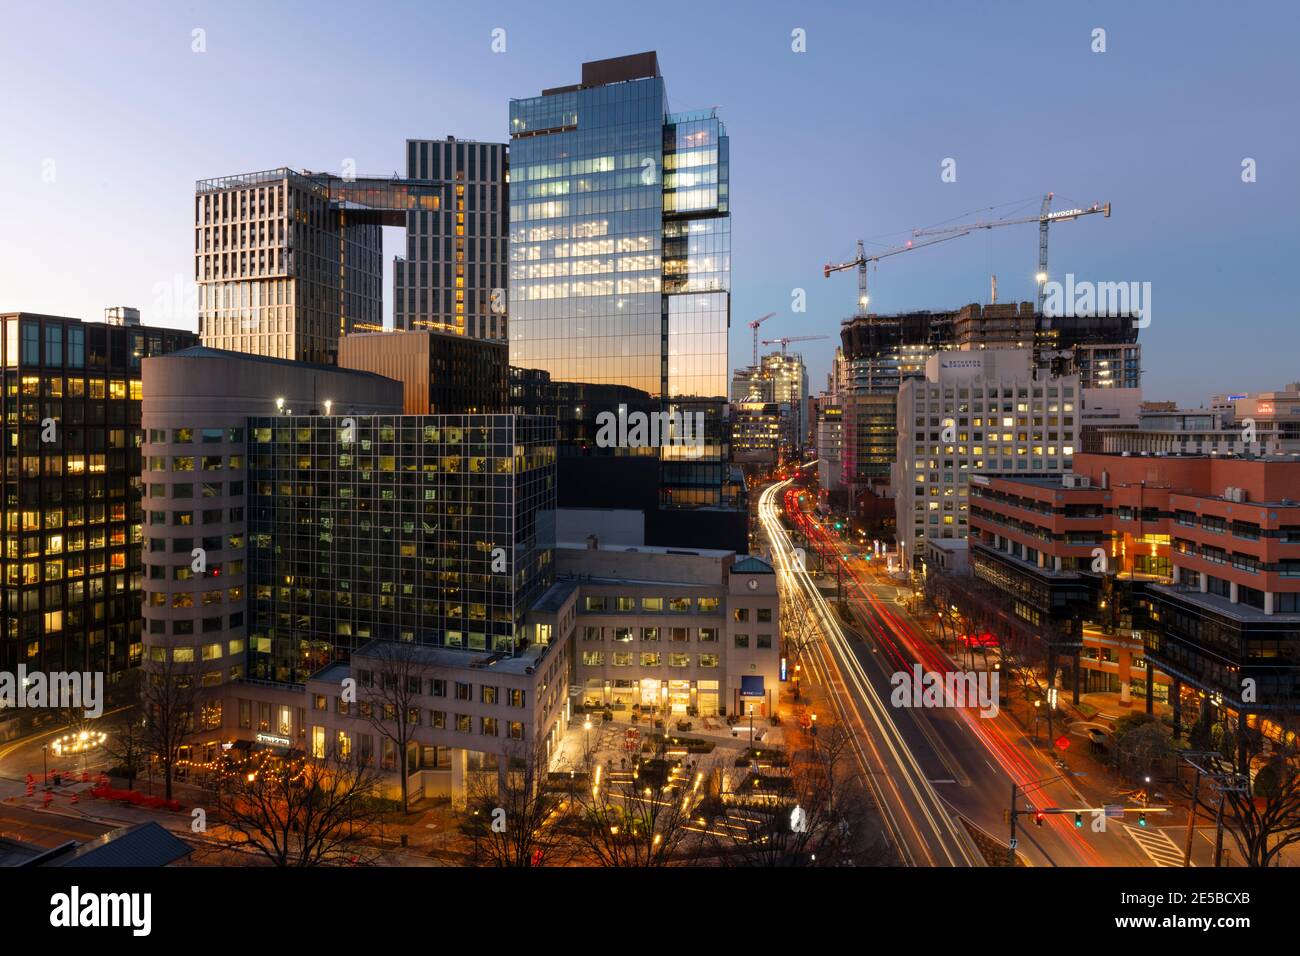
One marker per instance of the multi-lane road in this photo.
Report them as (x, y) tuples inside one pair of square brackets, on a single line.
[(932, 767)]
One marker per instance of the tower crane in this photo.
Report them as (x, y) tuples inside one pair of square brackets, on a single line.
[(786, 340), (754, 328), (861, 260), (1044, 218)]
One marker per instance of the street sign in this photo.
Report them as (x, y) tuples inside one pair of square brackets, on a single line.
[(1115, 810), (1014, 843)]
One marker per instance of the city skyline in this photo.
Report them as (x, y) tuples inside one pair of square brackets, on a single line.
[(1152, 125)]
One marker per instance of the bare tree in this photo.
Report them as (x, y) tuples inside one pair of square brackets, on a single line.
[(388, 699), (516, 818), (815, 811), (168, 696), (642, 818), (297, 810), (1256, 789)]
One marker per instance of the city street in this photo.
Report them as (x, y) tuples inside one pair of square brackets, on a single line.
[(970, 762)]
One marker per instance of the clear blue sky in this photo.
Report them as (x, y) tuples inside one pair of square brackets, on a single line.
[(842, 142)]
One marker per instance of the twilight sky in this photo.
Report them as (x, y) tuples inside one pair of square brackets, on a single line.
[(109, 117)]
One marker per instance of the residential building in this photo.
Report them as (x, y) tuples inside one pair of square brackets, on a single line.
[(456, 255), (70, 461), (441, 373)]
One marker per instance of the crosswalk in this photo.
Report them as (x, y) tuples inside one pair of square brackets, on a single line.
[(1157, 845)]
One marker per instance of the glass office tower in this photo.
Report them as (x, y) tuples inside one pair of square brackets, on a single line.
[(620, 257), (438, 529)]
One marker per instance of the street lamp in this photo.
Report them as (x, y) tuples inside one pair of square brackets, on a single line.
[(328, 405)]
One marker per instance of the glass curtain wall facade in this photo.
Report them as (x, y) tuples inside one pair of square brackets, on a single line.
[(70, 565), (432, 528), (620, 260)]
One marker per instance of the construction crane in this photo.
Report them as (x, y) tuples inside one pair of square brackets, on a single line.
[(754, 328), (860, 263), (783, 342), (1044, 218)]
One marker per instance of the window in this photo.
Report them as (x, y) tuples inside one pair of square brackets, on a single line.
[(679, 660), (464, 691), (741, 614), (679, 605), (742, 640), (652, 604), (464, 723), (709, 605), (515, 697), (708, 634), (651, 660), (764, 615), (708, 660), (488, 726), (764, 642), (595, 603), (649, 633), (487, 695), (437, 688)]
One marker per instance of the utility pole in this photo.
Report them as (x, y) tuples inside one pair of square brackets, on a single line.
[(1011, 846)]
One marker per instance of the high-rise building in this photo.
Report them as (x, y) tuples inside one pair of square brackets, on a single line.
[(441, 373), (70, 460), (974, 414), (620, 265), (287, 262), (456, 256), (195, 473), (438, 529)]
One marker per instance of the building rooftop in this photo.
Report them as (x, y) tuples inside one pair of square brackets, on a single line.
[(1221, 605), (205, 351), (432, 655)]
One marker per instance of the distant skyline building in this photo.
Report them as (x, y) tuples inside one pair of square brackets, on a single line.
[(456, 255), (620, 272), (70, 565)]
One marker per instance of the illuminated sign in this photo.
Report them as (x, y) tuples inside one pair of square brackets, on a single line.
[(783, 669), (274, 740)]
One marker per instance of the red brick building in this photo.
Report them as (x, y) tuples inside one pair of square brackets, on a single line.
[(1189, 563)]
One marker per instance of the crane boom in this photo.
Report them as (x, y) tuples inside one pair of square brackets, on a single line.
[(1044, 219), (754, 328), (861, 260)]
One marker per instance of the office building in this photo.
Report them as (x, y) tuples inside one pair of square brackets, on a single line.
[(691, 633), (287, 262), (1273, 417), (441, 373), (757, 434), (194, 469), (71, 462), (620, 264), (1186, 565), (975, 413), (456, 255)]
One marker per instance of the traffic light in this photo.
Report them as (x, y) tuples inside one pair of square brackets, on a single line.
[(1142, 819), (1078, 821), (1039, 817)]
